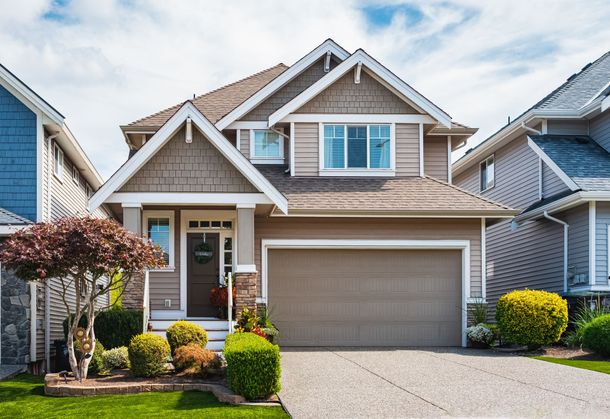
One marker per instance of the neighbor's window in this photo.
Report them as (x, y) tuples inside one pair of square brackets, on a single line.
[(58, 164), (357, 146), (488, 173), (75, 174), (158, 232), (267, 145)]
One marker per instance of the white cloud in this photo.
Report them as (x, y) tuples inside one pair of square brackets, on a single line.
[(106, 63)]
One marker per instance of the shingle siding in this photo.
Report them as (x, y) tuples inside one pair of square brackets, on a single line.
[(17, 156)]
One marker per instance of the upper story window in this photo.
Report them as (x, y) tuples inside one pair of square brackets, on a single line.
[(75, 174), (58, 162), (488, 173), (266, 145), (357, 147), (159, 229)]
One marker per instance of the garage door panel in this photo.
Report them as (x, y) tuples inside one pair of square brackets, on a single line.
[(365, 297)]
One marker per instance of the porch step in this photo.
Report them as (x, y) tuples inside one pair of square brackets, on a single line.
[(217, 330), (213, 344), (212, 334)]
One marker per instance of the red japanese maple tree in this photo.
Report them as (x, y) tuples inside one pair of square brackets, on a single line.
[(82, 253)]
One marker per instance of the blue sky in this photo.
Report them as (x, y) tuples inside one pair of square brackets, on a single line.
[(104, 63)]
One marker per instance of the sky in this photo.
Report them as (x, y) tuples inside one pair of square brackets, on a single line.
[(105, 63)]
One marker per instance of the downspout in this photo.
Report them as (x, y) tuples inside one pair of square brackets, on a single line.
[(565, 248), (535, 131)]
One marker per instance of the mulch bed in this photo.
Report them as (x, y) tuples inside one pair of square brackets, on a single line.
[(570, 353), (120, 377)]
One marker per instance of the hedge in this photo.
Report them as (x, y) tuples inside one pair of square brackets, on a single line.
[(596, 335), (532, 318), (183, 332), (253, 365), (115, 327), (148, 354)]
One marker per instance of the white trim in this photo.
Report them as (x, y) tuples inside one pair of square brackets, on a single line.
[(544, 125), (359, 118), (238, 206), (40, 167), (238, 139), (357, 172), (192, 198), (485, 162), (463, 245), (449, 177), (605, 104), (389, 214), (540, 186), (291, 150), (382, 73), (263, 159), (608, 253), (248, 125), (565, 203), (589, 288), (58, 170), (592, 242), (172, 234), (483, 258), (165, 133), (131, 205), (33, 320), (245, 269), (421, 149), (281, 80), (552, 165), (7, 230)]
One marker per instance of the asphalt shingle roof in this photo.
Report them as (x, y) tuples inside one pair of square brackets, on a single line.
[(9, 218), (375, 194), (580, 157)]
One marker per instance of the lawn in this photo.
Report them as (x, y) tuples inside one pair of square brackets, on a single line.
[(599, 366), (23, 397)]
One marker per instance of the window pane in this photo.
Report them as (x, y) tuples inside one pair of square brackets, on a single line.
[(483, 176), (356, 147), (490, 172), (193, 224), (380, 146), (266, 144), (334, 152), (228, 243), (158, 232), (216, 224)]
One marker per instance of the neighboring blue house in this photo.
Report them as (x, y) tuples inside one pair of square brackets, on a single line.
[(44, 175), (552, 163)]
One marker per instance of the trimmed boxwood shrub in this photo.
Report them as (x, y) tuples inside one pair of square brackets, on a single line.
[(116, 358), (148, 354), (532, 318), (596, 335), (253, 365), (114, 327), (182, 333)]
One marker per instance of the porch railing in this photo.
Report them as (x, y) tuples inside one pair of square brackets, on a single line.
[(146, 303), (230, 301)]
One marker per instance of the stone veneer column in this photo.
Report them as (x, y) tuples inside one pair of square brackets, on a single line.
[(245, 291), (15, 316), (246, 276), (133, 296)]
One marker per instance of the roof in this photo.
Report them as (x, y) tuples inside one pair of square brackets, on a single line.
[(217, 103), (377, 194), (10, 218), (580, 158)]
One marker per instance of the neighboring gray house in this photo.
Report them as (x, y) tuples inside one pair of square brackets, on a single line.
[(44, 175), (553, 164)]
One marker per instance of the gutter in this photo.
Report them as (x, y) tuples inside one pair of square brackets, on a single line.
[(563, 204), (566, 226)]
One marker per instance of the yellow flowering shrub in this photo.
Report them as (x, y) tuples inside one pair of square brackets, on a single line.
[(532, 318)]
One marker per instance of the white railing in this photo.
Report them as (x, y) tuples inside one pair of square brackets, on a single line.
[(230, 301), (146, 303)]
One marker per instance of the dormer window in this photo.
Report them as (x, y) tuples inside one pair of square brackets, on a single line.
[(267, 147), (488, 173)]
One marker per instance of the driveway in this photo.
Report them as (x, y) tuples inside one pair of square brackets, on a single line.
[(349, 383)]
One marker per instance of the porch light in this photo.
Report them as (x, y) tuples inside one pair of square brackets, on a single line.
[(189, 131)]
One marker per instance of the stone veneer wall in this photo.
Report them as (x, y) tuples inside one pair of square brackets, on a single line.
[(245, 291), (15, 321), (133, 296)]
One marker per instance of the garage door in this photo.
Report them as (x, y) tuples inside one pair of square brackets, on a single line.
[(352, 297)]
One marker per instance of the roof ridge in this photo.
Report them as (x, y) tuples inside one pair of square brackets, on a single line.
[(457, 188)]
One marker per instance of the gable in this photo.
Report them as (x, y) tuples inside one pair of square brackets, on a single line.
[(308, 77), (368, 97), (182, 167)]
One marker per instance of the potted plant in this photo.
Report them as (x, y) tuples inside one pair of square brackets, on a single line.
[(259, 325), (219, 297), (480, 336)]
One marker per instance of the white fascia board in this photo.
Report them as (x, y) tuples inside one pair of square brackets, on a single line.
[(164, 134), (605, 104), (281, 80), (7, 230), (553, 166), (193, 198), (360, 118), (380, 71)]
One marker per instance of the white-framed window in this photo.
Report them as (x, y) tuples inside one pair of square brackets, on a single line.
[(266, 146), (158, 227), (75, 174), (357, 147), (487, 172), (58, 162)]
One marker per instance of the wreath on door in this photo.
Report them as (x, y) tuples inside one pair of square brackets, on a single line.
[(203, 253)]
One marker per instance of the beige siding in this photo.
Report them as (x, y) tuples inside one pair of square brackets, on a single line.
[(435, 157), (306, 140), (354, 228), (551, 183), (367, 97), (407, 150), (289, 91), (182, 167), (166, 284), (569, 127), (244, 142)]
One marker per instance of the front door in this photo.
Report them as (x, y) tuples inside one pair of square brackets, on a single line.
[(202, 272)]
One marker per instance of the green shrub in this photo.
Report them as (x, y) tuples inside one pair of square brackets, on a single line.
[(114, 327), (182, 333), (116, 358), (478, 311), (596, 335), (583, 315), (494, 329), (532, 318), (253, 365), (148, 354), (96, 364), (195, 360)]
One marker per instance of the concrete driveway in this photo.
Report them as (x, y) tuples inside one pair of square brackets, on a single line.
[(349, 383)]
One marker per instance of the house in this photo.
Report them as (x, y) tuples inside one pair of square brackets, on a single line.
[(552, 163), (44, 175), (325, 187)]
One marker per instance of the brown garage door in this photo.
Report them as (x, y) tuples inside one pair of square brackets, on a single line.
[(365, 297)]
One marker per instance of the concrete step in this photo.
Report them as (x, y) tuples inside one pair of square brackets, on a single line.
[(212, 334), (207, 324), (213, 344)]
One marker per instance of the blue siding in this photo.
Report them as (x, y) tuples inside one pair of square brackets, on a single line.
[(17, 156)]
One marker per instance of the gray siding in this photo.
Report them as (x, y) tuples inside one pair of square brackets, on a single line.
[(578, 240), (601, 243), (551, 183), (435, 157), (166, 284), (599, 129), (306, 139), (407, 150), (568, 127)]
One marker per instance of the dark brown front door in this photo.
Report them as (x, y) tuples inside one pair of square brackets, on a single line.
[(202, 275)]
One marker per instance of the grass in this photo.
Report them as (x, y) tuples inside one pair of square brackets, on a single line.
[(23, 397), (599, 366)]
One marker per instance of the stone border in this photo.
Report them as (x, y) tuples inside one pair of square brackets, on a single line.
[(54, 386)]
